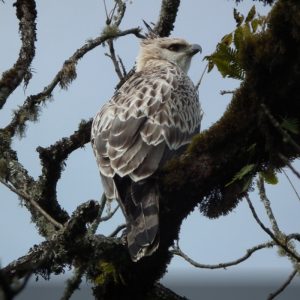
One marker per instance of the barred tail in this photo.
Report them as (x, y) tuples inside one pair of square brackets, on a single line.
[(143, 225), (140, 205)]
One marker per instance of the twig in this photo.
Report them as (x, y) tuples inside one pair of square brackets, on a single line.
[(11, 289), (278, 233), (286, 136), (249, 252), (117, 230), (120, 13), (106, 13), (114, 59), (109, 215), (34, 204), (73, 283), (267, 205), (286, 161), (122, 66), (292, 185), (19, 289), (269, 232), (25, 112), (200, 80), (97, 221), (12, 78), (283, 287), (223, 92)]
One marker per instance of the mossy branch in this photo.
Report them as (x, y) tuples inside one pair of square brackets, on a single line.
[(167, 17), (31, 108), (12, 78)]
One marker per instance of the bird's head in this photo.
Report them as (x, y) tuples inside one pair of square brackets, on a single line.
[(174, 50)]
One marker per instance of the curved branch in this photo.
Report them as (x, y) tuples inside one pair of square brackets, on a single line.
[(177, 251), (284, 286), (278, 239), (53, 157), (29, 110), (26, 13)]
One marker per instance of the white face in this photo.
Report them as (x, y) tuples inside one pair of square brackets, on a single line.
[(177, 51)]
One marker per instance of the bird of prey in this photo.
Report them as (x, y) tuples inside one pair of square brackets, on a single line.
[(151, 118)]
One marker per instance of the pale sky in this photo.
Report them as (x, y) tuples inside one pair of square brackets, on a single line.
[(63, 26)]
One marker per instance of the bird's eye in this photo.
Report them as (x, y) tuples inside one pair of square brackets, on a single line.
[(175, 47)]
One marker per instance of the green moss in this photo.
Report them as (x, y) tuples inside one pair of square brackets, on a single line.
[(110, 31)]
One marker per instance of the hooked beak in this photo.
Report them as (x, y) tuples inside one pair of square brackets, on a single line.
[(195, 48)]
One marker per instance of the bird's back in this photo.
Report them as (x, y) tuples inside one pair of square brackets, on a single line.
[(150, 119)]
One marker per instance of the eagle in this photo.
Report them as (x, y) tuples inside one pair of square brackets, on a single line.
[(149, 120)]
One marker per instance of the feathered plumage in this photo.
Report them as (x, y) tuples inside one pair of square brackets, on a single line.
[(148, 120)]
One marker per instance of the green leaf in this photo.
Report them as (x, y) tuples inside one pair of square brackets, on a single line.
[(244, 171), (210, 66), (254, 25), (291, 125), (269, 176), (227, 39), (251, 14), (238, 37), (226, 60), (246, 31), (239, 18)]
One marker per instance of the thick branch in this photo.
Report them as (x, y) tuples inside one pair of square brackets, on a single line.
[(53, 157), (52, 255), (26, 13), (167, 17), (17, 176)]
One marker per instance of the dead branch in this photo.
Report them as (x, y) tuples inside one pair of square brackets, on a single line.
[(280, 241), (284, 285), (291, 184), (289, 165), (117, 230), (177, 251), (110, 214), (34, 204), (114, 59)]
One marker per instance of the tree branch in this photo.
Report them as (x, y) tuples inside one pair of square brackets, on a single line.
[(29, 110), (291, 184), (34, 204), (73, 283), (289, 165), (53, 158), (167, 17), (177, 251), (284, 286), (11, 79), (281, 241), (62, 248), (114, 59)]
